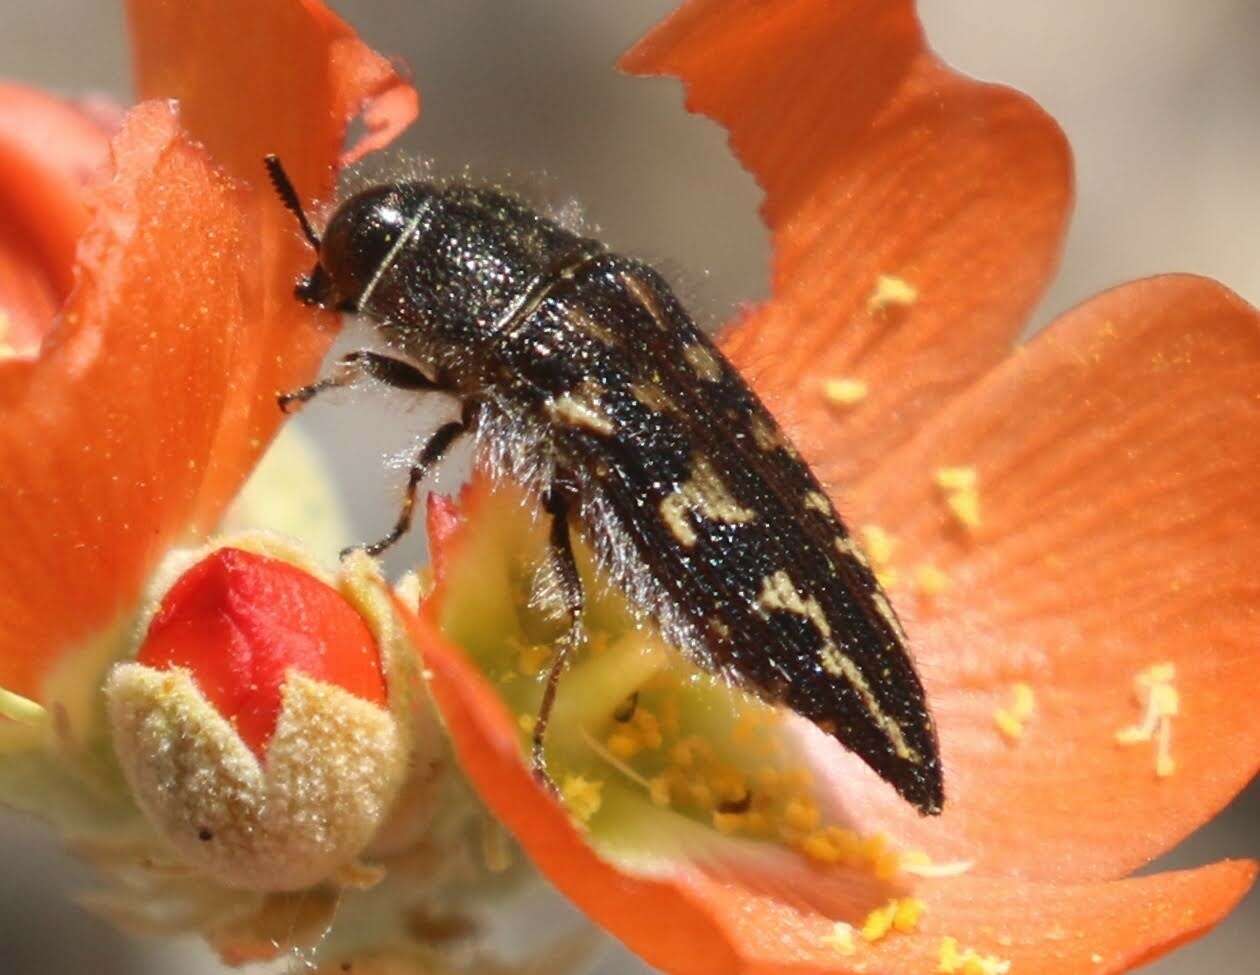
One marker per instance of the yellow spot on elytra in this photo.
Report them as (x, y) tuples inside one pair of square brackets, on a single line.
[(703, 362), (704, 496), (582, 796), (1161, 702), (961, 489), (951, 960), (581, 407), (840, 939), (817, 501), (844, 392), (930, 581), (1010, 720), (890, 291)]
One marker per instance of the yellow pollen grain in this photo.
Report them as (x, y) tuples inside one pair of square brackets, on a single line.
[(961, 489), (889, 291), (728, 823), (648, 727), (899, 914), (844, 392), (965, 507), (1161, 702), (802, 814), (1011, 720), (930, 581), (526, 723), (909, 912), (658, 790), (956, 478), (729, 785), (951, 960), (840, 939), (879, 545), (582, 796), (821, 848), (701, 795), (687, 752), (623, 743)]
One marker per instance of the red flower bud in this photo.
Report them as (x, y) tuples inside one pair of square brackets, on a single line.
[(239, 622), (254, 726)]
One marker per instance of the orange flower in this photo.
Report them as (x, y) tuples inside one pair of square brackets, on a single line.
[(1070, 530)]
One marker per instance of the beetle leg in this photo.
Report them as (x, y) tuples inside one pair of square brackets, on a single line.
[(432, 452), (556, 503), (383, 368)]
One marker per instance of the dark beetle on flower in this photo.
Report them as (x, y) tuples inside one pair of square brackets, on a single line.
[(582, 378)]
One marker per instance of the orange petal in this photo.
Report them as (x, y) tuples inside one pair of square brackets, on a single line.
[(49, 151), (1117, 458), (876, 159), (105, 438), (155, 394), (681, 919), (243, 101)]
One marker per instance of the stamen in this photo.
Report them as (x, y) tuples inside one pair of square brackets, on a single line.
[(890, 291)]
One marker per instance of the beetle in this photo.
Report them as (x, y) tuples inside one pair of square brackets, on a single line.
[(583, 378)]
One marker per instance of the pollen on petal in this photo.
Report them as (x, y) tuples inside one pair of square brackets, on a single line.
[(1012, 718), (844, 392), (891, 291), (930, 580), (952, 960), (899, 914), (880, 545), (1161, 702), (960, 490)]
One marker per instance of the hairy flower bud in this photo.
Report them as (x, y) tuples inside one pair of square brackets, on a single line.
[(254, 726)]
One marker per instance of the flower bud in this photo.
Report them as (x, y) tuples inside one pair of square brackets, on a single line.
[(254, 727)]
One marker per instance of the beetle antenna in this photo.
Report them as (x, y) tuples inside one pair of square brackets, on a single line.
[(288, 196)]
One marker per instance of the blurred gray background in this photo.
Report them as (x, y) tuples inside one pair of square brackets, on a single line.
[(1160, 98)]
